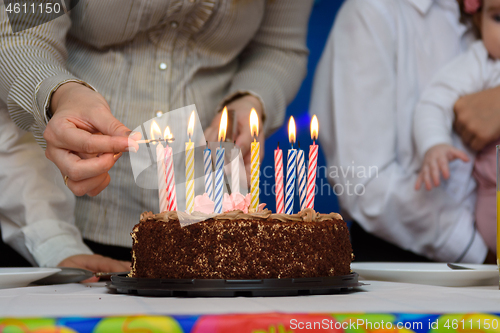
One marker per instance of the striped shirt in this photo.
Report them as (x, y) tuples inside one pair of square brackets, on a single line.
[(144, 56)]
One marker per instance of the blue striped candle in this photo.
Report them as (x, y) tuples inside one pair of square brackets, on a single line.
[(290, 180), (207, 167), (219, 179), (302, 178)]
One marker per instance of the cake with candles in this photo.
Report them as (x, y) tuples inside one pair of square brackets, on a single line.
[(237, 238)]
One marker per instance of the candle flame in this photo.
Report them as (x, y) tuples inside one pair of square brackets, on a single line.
[(155, 131), (167, 135), (291, 130), (223, 125), (314, 128), (254, 123), (191, 126)]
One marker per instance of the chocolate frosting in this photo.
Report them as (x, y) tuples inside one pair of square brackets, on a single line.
[(306, 215)]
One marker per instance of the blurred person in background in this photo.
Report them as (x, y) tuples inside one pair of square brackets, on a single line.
[(379, 57)]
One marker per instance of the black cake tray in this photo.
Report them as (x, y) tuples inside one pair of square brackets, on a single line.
[(232, 288)]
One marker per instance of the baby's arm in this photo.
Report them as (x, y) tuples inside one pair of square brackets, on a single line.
[(436, 161), (433, 118)]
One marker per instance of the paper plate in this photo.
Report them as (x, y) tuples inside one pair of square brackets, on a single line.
[(20, 277), (438, 274)]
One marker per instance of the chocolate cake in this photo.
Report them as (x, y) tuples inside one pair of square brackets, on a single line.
[(236, 245)]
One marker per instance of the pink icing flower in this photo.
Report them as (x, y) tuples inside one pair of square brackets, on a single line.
[(203, 204), (471, 6), (236, 201)]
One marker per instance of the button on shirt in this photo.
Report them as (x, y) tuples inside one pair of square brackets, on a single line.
[(379, 57), (144, 56)]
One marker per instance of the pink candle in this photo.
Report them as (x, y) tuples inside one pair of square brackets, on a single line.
[(162, 191), (313, 164), (170, 179), (169, 170), (278, 173)]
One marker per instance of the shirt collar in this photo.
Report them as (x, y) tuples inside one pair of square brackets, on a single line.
[(422, 6)]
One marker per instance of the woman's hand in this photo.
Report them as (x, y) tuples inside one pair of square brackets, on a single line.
[(436, 161), (477, 118), (84, 140), (241, 133), (95, 263)]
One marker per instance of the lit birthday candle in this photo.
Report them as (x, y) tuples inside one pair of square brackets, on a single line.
[(235, 170), (160, 168), (278, 176), (301, 166), (313, 163), (169, 171), (219, 164), (291, 169), (207, 168), (255, 161), (190, 167)]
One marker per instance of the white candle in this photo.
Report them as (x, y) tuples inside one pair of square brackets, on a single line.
[(291, 169), (207, 169), (235, 170), (301, 166), (219, 164), (219, 179)]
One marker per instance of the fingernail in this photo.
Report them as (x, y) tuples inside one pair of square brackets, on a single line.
[(117, 156), (135, 135), (131, 149)]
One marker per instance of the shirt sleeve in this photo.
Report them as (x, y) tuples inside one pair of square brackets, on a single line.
[(273, 65), (354, 97), (433, 118), (36, 210), (33, 67)]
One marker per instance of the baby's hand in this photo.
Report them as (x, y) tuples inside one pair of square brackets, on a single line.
[(436, 160)]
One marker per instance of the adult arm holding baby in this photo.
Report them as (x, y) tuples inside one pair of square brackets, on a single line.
[(477, 117)]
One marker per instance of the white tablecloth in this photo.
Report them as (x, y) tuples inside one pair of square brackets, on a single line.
[(96, 300)]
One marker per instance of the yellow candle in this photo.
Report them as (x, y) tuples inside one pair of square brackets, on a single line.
[(190, 167), (255, 161)]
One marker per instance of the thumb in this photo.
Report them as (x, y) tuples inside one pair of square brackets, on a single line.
[(115, 128), (108, 125), (104, 121)]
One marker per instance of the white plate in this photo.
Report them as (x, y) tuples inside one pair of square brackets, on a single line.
[(438, 274), (22, 276)]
